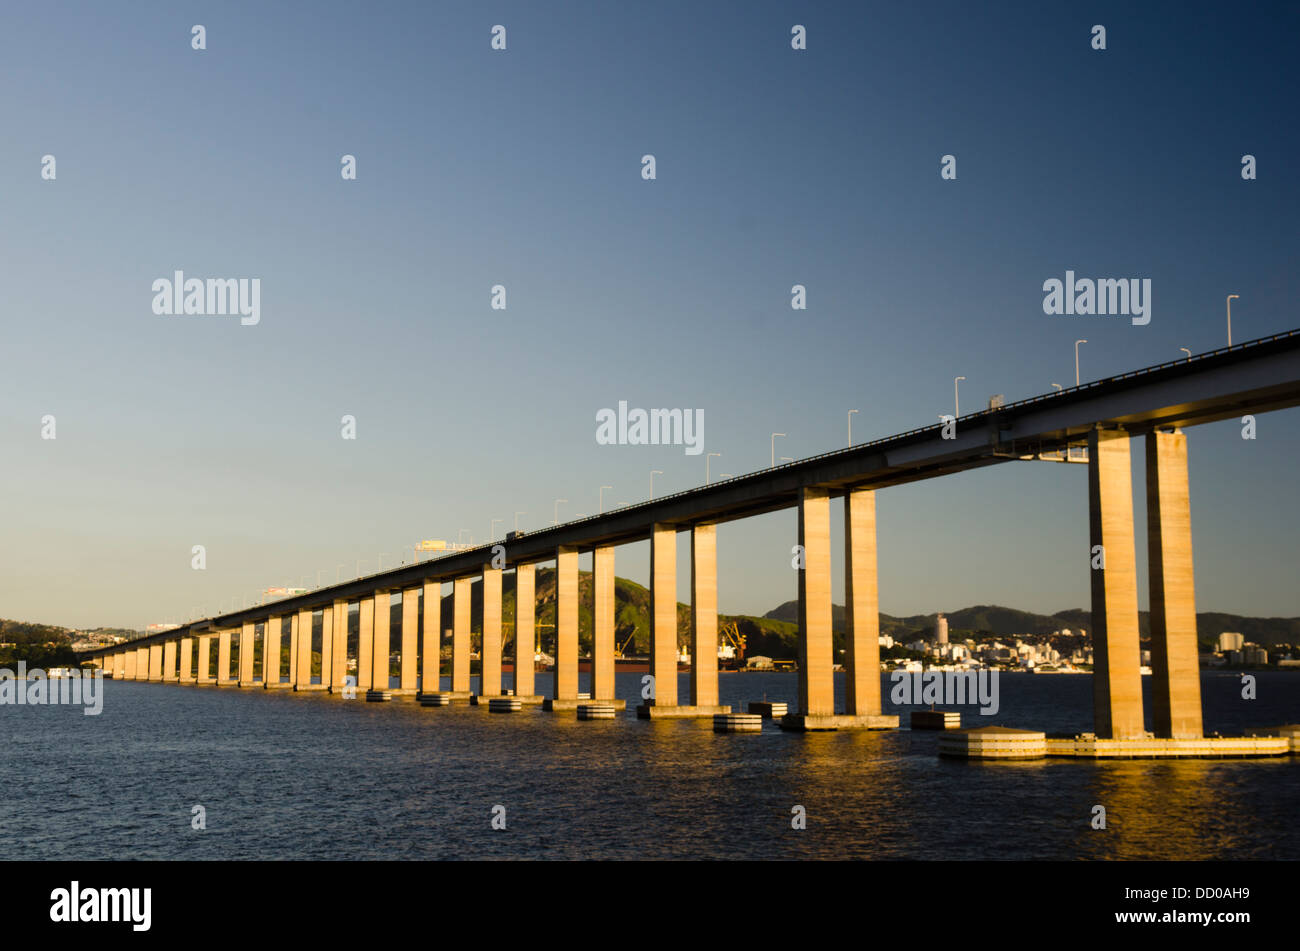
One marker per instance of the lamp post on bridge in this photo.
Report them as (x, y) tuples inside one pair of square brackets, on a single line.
[(706, 465), (492, 528), (1230, 297), (1058, 386), (556, 521), (652, 480), (774, 435), (1186, 351), (602, 497), (851, 412), (1076, 360), (517, 514), (956, 401)]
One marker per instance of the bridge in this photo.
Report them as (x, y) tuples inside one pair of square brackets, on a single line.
[(1156, 403)]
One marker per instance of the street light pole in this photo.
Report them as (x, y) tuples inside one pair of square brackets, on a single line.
[(652, 480), (1076, 360), (492, 528), (1186, 351), (517, 514), (851, 412), (706, 465), (774, 435), (557, 510), (956, 401), (1230, 297), (1058, 387), (602, 497)]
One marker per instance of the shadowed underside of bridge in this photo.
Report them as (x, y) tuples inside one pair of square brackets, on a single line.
[(1100, 418)]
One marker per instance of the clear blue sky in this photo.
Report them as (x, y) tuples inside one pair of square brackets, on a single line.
[(522, 167)]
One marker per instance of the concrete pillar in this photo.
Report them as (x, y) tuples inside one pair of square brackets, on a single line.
[(339, 650), (602, 642), (410, 639), (246, 638), (566, 624), (1116, 679), (187, 660), (302, 674), (663, 613), (365, 642), (461, 591), (704, 615), (431, 652), (490, 681), (326, 646), (271, 667), (130, 658), (381, 666), (1175, 666), (816, 653), (156, 663), (169, 675), (293, 649), (223, 659), (525, 637), (862, 606), (203, 662)]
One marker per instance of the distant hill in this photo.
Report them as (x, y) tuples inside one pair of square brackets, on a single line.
[(1001, 621)]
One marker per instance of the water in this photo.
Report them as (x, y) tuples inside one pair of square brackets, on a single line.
[(294, 776)]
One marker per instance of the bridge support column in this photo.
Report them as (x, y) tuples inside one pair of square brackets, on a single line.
[(816, 654), (302, 676), (461, 591), (490, 653), (431, 652), (203, 661), (187, 660), (602, 640), (247, 632), (1117, 679), (169, 675), (271, 664), (704, 619), (338, 646), (365, 642), (155, 663), (130, 660), (525, 630), (224, 678), (293, 651), (862, 609), (663, 623), (565, 674), (409, 672), (326, 646), (381, 664), (1175, 666)]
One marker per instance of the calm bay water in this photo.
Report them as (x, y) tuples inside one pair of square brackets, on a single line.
[(294, 776)]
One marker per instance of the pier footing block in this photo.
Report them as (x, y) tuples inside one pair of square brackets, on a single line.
[(649, 711), (564, 706), (738, 723), (809, 722), (443, 698)]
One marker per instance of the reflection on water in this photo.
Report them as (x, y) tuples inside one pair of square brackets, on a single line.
[(282, 775)]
